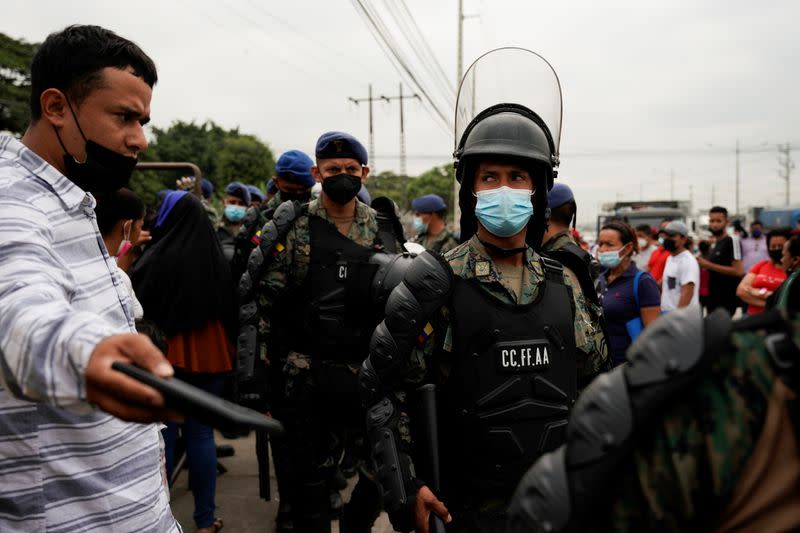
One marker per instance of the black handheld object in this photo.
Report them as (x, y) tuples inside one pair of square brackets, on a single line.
[(427, 402), (201, 405)]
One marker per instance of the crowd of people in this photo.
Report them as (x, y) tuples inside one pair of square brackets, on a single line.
[(307, 302)]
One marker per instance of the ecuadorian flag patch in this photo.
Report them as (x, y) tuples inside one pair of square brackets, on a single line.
[(426, 332)]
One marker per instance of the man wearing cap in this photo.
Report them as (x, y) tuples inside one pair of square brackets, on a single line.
[(292, 181), (681, 281), (318, 275), (432, 233), (558, 242), (256, 196), (234, 205)]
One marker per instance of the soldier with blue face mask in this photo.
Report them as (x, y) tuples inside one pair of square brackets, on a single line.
[(235, 202), (497, 327), (429, 224)]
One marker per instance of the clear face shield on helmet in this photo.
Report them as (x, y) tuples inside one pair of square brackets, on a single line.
[(522, 80)]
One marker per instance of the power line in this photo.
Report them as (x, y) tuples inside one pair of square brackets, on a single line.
[(381, 34)]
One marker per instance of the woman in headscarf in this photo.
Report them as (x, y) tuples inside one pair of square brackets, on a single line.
[(183, 282)]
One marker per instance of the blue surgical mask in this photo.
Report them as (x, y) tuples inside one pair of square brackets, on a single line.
[(609, 259), (419, 226), (504, 211), (235, 213)]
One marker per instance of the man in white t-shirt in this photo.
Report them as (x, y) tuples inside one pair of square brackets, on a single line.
[(681, 281)]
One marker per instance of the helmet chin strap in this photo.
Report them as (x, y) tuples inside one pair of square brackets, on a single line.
[(502, 252)]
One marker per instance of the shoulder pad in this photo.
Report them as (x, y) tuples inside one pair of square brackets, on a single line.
[(273, 232), (426, 286)]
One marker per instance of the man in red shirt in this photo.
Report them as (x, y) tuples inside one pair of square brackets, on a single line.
[(658, 259)]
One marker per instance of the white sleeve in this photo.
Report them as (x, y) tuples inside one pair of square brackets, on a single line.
[(690, 271), (737, 248)]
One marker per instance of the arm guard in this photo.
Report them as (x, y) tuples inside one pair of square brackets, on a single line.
[(426, 286), (562, 487), (248, 343)]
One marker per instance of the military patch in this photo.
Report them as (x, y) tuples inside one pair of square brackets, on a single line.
[(482, 268), (522, 356), (338, 145)]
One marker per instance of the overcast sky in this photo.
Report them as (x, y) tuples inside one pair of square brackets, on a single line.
[(650, 89)]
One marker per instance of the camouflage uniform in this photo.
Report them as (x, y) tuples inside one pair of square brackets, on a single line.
[(559, 240), (684, 472), (316, 420), (442, 243)]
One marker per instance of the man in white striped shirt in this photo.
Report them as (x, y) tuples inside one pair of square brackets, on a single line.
[(68, 461)]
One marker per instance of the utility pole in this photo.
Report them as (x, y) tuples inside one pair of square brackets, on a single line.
[(737, 176), (787, 165), (401, 97), (369, 99)]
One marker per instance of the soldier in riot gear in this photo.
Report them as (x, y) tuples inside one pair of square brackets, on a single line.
[(495, 325), (698, 431), (558, 244), (293, 181), (315, 263)]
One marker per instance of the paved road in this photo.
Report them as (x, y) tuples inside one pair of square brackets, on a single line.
[(238, 503)]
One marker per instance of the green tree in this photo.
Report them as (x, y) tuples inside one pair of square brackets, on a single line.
[(15, 83), (438, 180), (222, 155), (392, 185), (244, 158)]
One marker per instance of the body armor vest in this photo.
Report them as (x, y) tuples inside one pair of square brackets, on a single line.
[(511, 388), (337, 310)]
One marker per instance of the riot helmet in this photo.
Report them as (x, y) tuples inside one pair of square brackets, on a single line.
[(508, 108)]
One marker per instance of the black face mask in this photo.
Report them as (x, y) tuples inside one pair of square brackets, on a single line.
[(776, 255), (296, 196), (341, 188), (670, 245), (103, 171), (717, 232)]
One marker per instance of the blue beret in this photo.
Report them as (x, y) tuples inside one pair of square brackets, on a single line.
[(363, 195), (207, 188), (272, 187), (559, 195), (295, 166), (255, 193), (239, 190), (336, 144), (430, 203)]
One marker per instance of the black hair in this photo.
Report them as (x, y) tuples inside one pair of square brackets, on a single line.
[(71, 61), (626, 233), (779, 232), (441, 213), (564, 214), (718, 209), (112, 207), (645, 228), (753, 223)]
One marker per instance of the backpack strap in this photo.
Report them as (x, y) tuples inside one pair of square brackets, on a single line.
[(636, 288)]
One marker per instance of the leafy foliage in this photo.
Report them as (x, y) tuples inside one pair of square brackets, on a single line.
[(222, 155), (403, 189), (15, 83)]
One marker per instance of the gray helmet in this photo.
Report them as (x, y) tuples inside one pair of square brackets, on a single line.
[(508, 130)]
